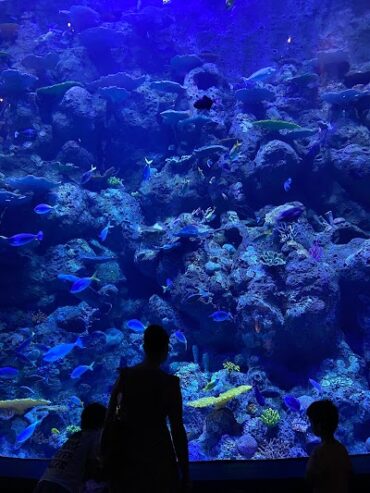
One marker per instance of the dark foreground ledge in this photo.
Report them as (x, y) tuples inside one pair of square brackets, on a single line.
[(20, 475)]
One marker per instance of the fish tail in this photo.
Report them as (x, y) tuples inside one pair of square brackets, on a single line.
[(95, 278), (79, 343)]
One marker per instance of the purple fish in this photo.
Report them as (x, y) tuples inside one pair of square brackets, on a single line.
[(221, 316), (290, 214), (259, 397), (24, 238), (292, 403)]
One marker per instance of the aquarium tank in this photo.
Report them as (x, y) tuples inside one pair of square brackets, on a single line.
[(199, 164)]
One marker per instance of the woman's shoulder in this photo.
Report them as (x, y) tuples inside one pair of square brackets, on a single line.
[(172, 380)]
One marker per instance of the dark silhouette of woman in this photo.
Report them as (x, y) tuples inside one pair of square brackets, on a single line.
[(144, 397)]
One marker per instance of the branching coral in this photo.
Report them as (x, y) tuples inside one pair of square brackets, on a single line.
[(270, 417), (230, 366), (287, 232), (38, 317), (275, 448), (271, 259)]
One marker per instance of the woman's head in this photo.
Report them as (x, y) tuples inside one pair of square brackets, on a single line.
[(93, 416), (156, 342)]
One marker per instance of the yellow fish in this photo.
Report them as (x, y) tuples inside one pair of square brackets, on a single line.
[(210, 385), (55, 431), (235, 150)]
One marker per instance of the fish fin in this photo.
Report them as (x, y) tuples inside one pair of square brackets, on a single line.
[(79, 343), (95, 278)]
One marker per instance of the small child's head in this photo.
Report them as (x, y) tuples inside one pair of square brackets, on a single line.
[(324, 418), (93, 416)]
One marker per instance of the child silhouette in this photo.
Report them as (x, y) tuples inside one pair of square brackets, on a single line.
[(329, 466)]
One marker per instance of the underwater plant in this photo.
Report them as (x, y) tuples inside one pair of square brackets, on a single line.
[(231, 367), (276, 448), (270, 417)]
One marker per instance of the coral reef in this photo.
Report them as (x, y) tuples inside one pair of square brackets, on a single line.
[(156, 168)]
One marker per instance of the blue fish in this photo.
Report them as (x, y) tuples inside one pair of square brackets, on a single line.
[(86, 177), (168, 286), (104, 232), (259, 397), (27, 433), (76, 401), (61, 350), (28, 132), (135, 325), (8, 372), (68, 277), (180, 336), (97, 259), (42, 209), (80, 370), (169, 246), (82, 283), (221, 316), (288, 184), (261, 75), (315, 385), (24, 345), (147, 173), (292, 403), (189, 231), (24, 238), (25, 387)]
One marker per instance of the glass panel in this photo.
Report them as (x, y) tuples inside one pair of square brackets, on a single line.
[(203, 165)]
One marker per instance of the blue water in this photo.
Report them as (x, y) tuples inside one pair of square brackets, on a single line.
[(201, 165)]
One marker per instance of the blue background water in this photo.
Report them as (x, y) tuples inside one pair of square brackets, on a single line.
[(243, 229)]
